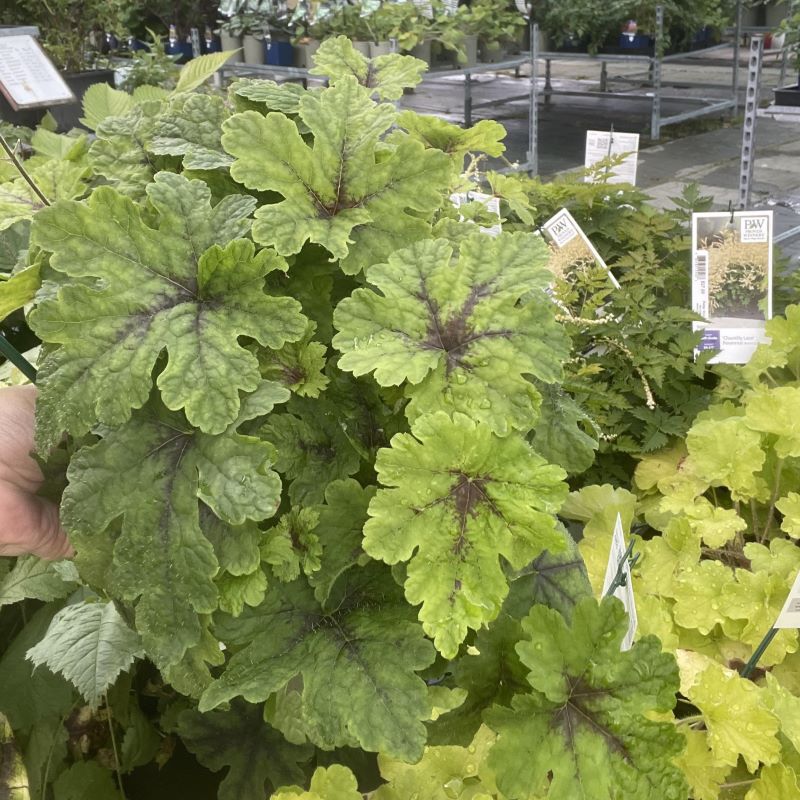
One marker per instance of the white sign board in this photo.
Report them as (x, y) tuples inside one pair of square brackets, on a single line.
[(27, 76), (623, 593), (790, 613), (732, 282), (604, 144)]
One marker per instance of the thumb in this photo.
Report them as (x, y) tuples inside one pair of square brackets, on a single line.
[(31, 526)]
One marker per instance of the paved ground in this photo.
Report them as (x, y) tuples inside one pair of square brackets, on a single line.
[(710, 158)]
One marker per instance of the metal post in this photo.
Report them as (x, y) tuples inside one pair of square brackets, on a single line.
[(194, 34), (548, 85), (603, 77), (655, 70), (736, 45), (750, 117), (533, 110), (467, 99)]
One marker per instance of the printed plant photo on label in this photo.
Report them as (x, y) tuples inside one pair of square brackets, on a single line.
[(737, 271)]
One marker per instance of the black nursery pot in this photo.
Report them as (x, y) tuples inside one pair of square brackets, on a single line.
[(787, 95), (67, 115)]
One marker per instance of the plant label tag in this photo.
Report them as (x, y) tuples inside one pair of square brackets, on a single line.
[(570, 246), (790, 613), (623, 148), (450, 7), (522, 7), (28, 78), (731, 282), (491, 202), (424, 7), (623, 593)]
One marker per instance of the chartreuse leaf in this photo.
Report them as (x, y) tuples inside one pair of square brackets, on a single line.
[(698, 595), (583, 729), (443, 773), (199, 70), (485, 136), (775, 781), (239, 739), (13, 775), (735, 712), (57, 179), (385, 76), (347, 190), (327, 783), (665, 557), (19, 289), (700, 767), (151, 473), (190, 126), (597, 508), (101, 101), (789, 506), (456, 331), (786, 707), (457, 498), (728, 453), (188, 286), (37, 579), (90, 644), (781, 351), (352, 692), (774, 411)]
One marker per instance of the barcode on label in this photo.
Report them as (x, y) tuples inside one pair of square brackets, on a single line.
[(701, 265), (794, 605)]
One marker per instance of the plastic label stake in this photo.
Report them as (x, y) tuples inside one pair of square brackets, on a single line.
[(618, 583)]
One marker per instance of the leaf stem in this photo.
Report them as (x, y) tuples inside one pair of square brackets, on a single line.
[(774, 499), (689, 720), (117, 765), (22, 171)]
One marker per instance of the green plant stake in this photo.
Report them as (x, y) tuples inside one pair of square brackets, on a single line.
[(758, 652), (17, 359)]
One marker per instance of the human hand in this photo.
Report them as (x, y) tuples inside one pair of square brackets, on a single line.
[(28, 524)]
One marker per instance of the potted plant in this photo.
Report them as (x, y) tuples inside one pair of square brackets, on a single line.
[(231, 32), (309, 33), (499, 28), (71, 33), (401, 22), (790, 95), (352, 22)]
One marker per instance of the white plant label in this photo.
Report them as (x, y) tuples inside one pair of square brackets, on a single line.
[(491, 202), (450, 6), (623, 593), (604, 144), (27, 76), (522, 7), (790, 613), (562, 229), (732, 282)]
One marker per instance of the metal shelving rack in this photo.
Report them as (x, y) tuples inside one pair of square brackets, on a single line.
[(652, 66)]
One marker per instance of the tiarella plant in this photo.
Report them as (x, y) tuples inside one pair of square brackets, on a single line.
[(310, 430)]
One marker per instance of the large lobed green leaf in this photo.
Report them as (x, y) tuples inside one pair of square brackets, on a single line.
[(582, 731), (151, 473), (190, 286), (347, 191), (459, 498), (358, 656), (456, 331)]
